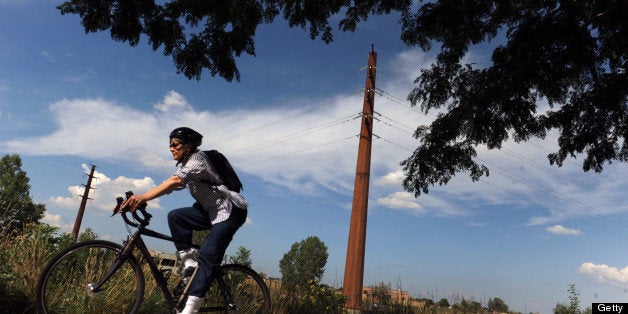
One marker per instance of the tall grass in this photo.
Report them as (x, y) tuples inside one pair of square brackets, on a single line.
[(24, 254), (312, 298), (22, 257)]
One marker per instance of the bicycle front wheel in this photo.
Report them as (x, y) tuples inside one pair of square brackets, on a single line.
[(238, 289), (66, 284)]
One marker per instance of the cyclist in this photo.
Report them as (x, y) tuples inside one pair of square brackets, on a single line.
[(217, 208)]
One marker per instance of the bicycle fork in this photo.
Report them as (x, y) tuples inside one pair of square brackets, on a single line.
[(121, 257), (96, 287)]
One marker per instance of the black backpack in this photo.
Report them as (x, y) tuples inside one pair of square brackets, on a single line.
[(224, 170)]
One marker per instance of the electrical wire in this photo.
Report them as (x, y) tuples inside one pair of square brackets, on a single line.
[(556, 195), (299, 151), (268, 124), (527, 199), (292, 136)]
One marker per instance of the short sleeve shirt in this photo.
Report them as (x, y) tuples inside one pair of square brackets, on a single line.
[(215, 198)]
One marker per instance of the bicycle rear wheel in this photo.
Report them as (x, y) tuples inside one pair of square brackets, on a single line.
[(238, 289), (64, 285)]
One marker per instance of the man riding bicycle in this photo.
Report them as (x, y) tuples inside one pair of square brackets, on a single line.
[(216, 209)]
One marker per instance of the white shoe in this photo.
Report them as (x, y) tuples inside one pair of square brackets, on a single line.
[(188, 258), (193, 304)]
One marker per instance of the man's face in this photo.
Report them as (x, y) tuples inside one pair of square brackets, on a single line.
[(176, 148)]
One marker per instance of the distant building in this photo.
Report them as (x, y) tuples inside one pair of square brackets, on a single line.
[(396, 296), (164, 261)]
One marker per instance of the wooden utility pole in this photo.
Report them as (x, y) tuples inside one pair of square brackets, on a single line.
[(79, 215), (354, 266)]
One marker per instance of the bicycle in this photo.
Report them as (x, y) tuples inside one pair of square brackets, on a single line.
[(98, 276)]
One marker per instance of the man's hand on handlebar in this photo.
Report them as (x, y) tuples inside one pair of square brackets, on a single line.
[(134, 205), (131, 203)]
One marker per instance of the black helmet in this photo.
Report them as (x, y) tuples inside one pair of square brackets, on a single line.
[(187, 136)]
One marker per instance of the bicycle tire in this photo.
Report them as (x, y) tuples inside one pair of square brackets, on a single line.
[(63, 285), (244, 291)]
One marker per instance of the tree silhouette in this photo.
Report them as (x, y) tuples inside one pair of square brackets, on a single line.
[(561, 66), (304, 263), (497, 305), (16, 206)]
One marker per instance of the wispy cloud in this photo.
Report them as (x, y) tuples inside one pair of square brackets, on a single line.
[(46, 55), (310, 147)]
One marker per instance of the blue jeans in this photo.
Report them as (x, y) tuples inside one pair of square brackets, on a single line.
[(183, 220)]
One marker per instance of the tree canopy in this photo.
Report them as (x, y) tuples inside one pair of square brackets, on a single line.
[(217, 31), (16, 206), (497, 305), (569, 55), (242, 257), (304, 263)]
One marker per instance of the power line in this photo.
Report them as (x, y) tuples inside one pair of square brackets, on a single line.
[(391, 142), (268, 124), (403, 103), (556, 195), (556, 173), (601, 175), (393, 121), (549, 192), (544, 206), (261, 127), (296, 135), (292, 79), (394, 75), (300, 151)]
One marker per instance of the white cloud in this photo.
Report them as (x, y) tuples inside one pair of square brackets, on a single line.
[(53, 220), (173, 101), (94, 128), (604, 274), (104, 192), (402, 200), (65, 202), (560, 230), (392, 178), (310, 147), (56, 221)]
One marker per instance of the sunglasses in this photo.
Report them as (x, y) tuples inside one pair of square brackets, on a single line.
[(175, 145)]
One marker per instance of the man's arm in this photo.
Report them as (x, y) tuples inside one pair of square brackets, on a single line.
[(165, 187)]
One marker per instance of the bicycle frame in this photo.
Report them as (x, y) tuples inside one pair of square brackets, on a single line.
[(136, 242), (237, 287)]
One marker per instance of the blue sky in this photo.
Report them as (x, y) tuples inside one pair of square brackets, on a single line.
[(69, 100)]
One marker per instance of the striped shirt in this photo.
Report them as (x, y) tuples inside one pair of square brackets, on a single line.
[(216, 199)]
